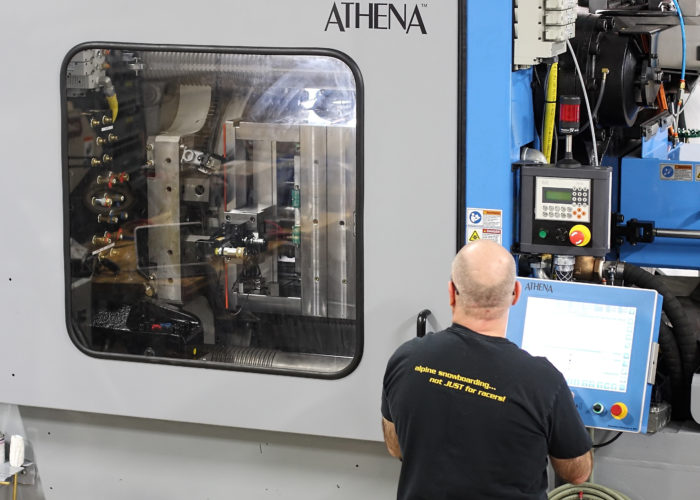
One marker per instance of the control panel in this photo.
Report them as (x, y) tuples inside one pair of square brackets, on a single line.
[(565, 210), (601, 338), (562, 199)]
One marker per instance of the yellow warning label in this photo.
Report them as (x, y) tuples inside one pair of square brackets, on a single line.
[(697, 172), (474, 236)]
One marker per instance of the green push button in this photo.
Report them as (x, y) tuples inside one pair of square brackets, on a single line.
[(543, 233)]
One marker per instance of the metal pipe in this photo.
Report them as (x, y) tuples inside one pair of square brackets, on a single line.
[(533, 155), (677, 233)]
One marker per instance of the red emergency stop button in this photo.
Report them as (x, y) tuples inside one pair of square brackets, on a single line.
[(580, 235), (618, 411)]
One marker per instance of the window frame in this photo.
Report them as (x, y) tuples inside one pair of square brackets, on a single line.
[(359, 203)]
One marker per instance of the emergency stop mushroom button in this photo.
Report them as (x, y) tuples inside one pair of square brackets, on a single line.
[(579, 235), (618, 411)]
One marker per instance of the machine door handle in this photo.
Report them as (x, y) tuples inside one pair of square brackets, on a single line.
[(421, 322)]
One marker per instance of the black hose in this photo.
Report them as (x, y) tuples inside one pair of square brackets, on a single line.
[(670, 364), (682, 329)]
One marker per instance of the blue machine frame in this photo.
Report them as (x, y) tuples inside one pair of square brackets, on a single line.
[(637, 393), (498, 99), (654, 189)]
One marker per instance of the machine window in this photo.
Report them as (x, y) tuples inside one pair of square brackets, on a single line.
[(213, 214)]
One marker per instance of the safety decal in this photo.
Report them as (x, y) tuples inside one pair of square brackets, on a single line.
[(697, 172), (484, 224), (676, 172)]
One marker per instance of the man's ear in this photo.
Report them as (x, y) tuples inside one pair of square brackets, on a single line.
[(516, 292), (452, 293)]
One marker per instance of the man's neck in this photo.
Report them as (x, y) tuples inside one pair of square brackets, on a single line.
[(490, 327)]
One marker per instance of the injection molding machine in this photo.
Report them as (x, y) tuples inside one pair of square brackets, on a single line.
[(222, 218)]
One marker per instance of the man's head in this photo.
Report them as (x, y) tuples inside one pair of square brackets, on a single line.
[(483, 285)]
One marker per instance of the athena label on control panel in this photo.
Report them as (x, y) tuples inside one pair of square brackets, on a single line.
[(484, 224)]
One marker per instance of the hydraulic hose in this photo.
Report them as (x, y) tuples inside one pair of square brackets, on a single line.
[(110, 95), (585, 491), (682, 328), (672, 363), (683, 41), (550, 109), (599, 101)]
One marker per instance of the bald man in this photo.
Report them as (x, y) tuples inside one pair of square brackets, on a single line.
[(471, 415)]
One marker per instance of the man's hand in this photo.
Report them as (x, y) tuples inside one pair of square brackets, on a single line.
[(391, 439), (574, 470)]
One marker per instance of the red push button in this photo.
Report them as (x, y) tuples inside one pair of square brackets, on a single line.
[(618, 411), (579, 235)]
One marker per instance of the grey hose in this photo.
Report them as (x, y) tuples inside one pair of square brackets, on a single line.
[(591, 491), (600, 97)]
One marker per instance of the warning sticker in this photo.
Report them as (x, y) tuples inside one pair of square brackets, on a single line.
[(697, 172), (484, 224), (676, 171)]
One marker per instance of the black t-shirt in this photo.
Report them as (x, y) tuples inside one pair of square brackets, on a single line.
[(476, 417)]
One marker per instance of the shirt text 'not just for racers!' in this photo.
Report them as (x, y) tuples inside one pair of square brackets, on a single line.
[(460, 383)]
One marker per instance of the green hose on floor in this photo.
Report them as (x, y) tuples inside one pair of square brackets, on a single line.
[(591, 491)]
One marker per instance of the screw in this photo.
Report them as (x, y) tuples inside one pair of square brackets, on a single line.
[(100, 141), (106, 120), (94, 162), (112, 137), (106, 158), (149, 147)]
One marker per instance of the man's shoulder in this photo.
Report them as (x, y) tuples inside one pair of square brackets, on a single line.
[(419, 346)]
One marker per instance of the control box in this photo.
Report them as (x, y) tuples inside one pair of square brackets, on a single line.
[(603, 339), (565, 210)]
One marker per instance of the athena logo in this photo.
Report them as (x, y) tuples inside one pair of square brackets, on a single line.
[(375, 16)]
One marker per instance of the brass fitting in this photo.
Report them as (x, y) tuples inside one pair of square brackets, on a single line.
[(100, 240), (107, 219)]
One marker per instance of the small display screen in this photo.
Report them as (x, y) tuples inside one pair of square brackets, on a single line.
[(589, 343), (557, 195)]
